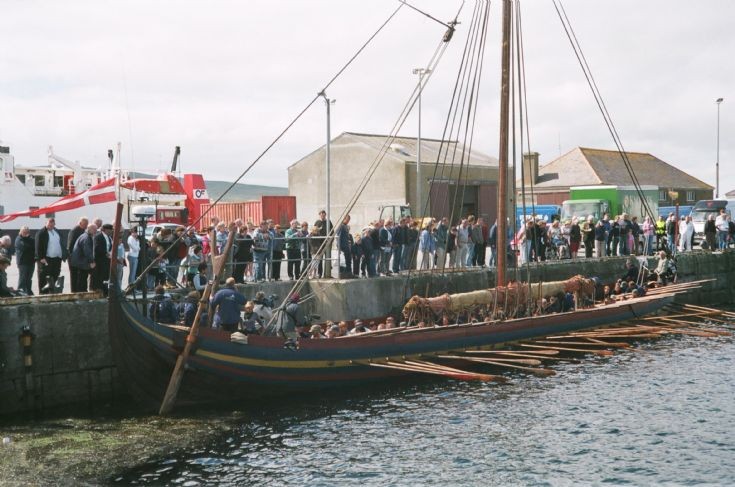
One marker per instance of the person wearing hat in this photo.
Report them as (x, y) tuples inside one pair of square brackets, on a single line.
[(291, 320), (227, 304), (5, 291)]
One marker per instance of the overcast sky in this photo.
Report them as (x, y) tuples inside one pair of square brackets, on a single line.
[(221, 79)]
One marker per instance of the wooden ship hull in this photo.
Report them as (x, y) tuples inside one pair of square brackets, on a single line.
[(221, 371)]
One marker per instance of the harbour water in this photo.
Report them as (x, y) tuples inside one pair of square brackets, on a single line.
[(663, 413)]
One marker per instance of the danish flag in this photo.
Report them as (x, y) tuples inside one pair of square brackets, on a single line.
[(103, 192)]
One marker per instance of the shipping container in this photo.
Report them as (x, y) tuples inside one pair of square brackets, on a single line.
[(280, 209)]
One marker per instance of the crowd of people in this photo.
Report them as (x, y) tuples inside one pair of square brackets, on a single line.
[(619, 236), (87, 250), (181, 256)]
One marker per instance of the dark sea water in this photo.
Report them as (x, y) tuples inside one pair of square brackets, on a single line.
[(661, 414)]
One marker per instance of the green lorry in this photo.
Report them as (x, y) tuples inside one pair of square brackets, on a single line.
[(615, 200)]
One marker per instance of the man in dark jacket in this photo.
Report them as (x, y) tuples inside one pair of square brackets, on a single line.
[(671, 231), (325, 228), (226, 306), (492, 240), (82, 258), (102, 253), (25, 255), (345, 247), (398, 241), (71, 239), (49, 254)]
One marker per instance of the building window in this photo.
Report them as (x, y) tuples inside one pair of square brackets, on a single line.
[(662, 195), (33, 208), (690, 196), (39, 181), (21, 178)]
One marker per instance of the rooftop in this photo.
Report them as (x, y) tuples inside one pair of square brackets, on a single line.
[(585, 166), (405, 148)]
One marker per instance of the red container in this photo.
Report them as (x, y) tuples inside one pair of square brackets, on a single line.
[(280, 209)]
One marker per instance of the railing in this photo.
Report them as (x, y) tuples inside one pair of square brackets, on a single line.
[(273, 267)]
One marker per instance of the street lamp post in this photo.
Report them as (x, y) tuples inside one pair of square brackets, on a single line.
[(419, 207), (717, 164), (328, 249)]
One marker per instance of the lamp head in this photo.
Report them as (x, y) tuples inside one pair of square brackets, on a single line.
[(144, 212), (720, 100)]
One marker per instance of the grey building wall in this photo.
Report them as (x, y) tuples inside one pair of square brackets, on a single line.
[(350, 164)]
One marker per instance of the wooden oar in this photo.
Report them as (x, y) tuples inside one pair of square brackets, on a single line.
[(598, 343), (529, 354), (501, 352), (613, 344), (713, 310), (520, 361), (679, 321), (423, 363), (603, 353), (601, 331), (719, 320), (533, 370), (700, 327), (178, 374), (424, 370), (457, 373), (680, 315)]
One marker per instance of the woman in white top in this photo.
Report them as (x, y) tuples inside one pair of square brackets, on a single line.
[(133, 251)]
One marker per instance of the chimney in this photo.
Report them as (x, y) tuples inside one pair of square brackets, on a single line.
[(530, 168)]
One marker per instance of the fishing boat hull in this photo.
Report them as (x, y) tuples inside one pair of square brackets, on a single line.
[(221, 371)]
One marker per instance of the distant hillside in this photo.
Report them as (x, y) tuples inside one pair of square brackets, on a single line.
[(241, 192)]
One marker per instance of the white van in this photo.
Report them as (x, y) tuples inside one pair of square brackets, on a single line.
[(702, 211)]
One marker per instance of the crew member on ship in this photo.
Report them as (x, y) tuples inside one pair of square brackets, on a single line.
[(227, 305)]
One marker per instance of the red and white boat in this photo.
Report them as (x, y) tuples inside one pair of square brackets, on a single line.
[(68, 191)]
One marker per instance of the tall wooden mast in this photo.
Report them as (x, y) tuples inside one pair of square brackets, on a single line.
[(503, 146)]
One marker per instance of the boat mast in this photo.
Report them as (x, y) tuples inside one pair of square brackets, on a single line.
[(503, 146)]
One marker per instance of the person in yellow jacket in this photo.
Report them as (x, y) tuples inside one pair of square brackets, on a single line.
[(660, 231)]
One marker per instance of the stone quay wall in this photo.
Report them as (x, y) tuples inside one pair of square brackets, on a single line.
[(69, 362)]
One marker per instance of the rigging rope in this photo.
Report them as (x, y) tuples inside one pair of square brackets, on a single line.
[(459, 92), (403, 115), (279, 136), (569, 30)]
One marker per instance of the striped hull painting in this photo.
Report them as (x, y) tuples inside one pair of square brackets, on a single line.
[(221, 371)]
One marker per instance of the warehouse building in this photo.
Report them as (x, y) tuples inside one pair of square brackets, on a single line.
[(394, 181)]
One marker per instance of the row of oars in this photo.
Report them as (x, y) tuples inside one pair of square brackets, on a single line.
[(533, 356)]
